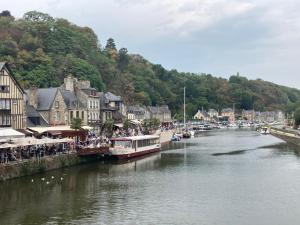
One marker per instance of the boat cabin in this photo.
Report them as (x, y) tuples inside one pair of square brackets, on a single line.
[(135, 141)]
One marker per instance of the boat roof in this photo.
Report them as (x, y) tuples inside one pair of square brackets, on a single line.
[(135, 138)]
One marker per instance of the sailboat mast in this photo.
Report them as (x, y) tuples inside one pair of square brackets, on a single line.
[(184, 107)]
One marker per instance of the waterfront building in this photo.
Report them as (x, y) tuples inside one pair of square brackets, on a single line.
[(213, 113), (270, 116), (162, 113), (137, 112), (12, 108), (75, 107), (112, 107), (85, 100), (228, 114), (50, 104), (248, 115), (203, 116)]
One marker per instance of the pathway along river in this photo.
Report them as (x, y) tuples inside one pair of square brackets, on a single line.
[(223, 177)]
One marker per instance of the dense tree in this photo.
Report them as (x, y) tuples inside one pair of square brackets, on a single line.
[(76, 123), (6, 13), (42, 50)]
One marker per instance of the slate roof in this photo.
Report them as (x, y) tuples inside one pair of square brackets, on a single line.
[(112, 97), (227, 110), (159, 109), (136, 109), (71, 100), (45, 97), (31, 115)]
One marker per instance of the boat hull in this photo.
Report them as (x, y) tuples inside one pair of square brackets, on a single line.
[(135, 154), (93, 151)]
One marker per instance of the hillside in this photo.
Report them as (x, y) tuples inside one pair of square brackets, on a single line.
[(42, 50)]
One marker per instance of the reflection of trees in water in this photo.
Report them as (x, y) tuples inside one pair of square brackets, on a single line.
[(284, 148), (81, 190)]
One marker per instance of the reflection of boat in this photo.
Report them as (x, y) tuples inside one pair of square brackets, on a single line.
[(186, 134), (128, 147), (92, 151), (142, 163)]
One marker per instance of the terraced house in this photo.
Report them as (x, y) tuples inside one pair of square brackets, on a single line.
[(12, 109)]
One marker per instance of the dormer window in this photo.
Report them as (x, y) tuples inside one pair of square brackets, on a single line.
[(56, 104)]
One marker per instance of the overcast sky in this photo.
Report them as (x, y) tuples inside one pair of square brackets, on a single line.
[(258, 39)]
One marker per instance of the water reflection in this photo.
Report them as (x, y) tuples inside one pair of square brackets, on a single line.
[(255, 180)]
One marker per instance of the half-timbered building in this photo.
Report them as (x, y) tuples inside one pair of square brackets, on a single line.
[(11, 100)]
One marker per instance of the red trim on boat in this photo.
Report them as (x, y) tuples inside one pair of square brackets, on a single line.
[(136, 154)]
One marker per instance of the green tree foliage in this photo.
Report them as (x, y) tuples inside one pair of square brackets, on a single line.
[(42, 50), (108, 127), (76, 123)]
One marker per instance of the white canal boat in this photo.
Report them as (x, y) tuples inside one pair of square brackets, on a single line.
[(129, 147)]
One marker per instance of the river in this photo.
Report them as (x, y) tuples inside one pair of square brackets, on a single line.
[(220, 178)]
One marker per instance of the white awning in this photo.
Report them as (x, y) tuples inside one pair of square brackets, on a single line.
[(43, 129), (87, 128), (119, 125), (136, 122), (8, 133)]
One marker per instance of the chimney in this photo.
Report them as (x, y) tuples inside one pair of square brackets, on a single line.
[(32, 97), (69, 82)]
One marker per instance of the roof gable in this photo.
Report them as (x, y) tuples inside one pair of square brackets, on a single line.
[(4, 65)]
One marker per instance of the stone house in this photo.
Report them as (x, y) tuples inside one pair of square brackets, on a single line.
[(203, 116), (87, 97), (162, 113), (138, 112), (12, 107), (75, 107), (112, 107), (49, 102)]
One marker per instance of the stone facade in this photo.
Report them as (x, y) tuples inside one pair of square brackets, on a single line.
[(87, 96), (162, 113), (138, 112)]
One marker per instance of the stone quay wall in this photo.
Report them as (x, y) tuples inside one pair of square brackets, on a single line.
[(35, 166)]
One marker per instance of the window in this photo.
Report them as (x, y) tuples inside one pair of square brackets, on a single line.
[(82, 115), (71, 115), (5, 104), (56, 104), (77, 114), (4, 88), (91, 104), (5, 120), (122, 144), (94, 104), (57, 116)]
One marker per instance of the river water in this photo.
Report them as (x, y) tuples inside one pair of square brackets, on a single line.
[(222, 177)]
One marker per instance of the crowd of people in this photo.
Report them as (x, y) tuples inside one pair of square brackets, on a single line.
[(21, 153), (93, 141)]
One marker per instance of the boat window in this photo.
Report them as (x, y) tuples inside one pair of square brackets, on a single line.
[(124, 144)]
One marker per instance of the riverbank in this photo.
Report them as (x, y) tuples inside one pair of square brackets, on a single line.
[(40, 165), (33, 166), (289, 136)]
